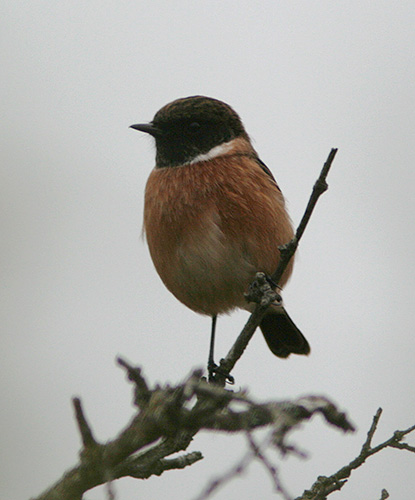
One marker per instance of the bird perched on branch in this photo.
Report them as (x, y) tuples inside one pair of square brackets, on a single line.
[(214, 216)]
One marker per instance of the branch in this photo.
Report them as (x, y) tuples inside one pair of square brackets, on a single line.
[(320, 186), (88, 439), (254, 451), (326, 485), (260, 291), (137, 468), (167, 423), (269, 466)]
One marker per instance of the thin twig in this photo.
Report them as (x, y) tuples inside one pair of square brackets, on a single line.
[(370, 433), (254, 451), (142, 392), (287, 251), (220, 481), (110, 490), (271, 468), (87, 436), (326, 485)]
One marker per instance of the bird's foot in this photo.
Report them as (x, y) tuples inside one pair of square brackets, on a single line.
[(218, 374), (262, 290)]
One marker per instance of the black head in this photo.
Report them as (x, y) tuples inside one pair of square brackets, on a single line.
[(191, 126)]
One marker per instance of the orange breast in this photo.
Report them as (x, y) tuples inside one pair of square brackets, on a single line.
[(210, 226)]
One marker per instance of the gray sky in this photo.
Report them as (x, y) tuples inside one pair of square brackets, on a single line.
[(78, 286)]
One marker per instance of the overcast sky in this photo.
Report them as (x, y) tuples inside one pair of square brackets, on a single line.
[(77, 283)]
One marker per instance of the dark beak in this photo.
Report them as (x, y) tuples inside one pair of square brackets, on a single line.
[(148, 128)]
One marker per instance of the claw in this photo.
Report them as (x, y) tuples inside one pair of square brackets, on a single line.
[(217, 373)]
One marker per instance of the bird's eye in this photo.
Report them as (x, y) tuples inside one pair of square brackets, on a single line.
[(194, 127)]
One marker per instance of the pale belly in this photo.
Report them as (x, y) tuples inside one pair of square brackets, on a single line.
[(211, 273)]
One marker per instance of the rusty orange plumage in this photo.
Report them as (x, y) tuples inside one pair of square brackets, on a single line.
[(214, 214)]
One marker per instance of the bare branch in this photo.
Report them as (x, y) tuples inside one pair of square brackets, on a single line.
[(269, 466), (260, 283), (167, 423), (110, 490), (326, 485), (135, 467), (171, 417), (371, 431), (227, 476), (320, 186), (142, 392), (83, 426)]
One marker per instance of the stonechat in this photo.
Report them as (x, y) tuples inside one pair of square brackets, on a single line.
[(214, 216)]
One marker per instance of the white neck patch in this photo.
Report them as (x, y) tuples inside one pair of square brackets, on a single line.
[(216, 151)]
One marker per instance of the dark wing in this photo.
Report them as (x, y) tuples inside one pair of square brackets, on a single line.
[(266, 170)]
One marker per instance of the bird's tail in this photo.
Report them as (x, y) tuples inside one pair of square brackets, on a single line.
[(281, 334)]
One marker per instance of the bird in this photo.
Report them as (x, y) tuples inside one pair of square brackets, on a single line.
[(214, 216)]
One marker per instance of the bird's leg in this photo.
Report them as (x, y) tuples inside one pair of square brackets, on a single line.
[(216, 373), (211, 360)]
